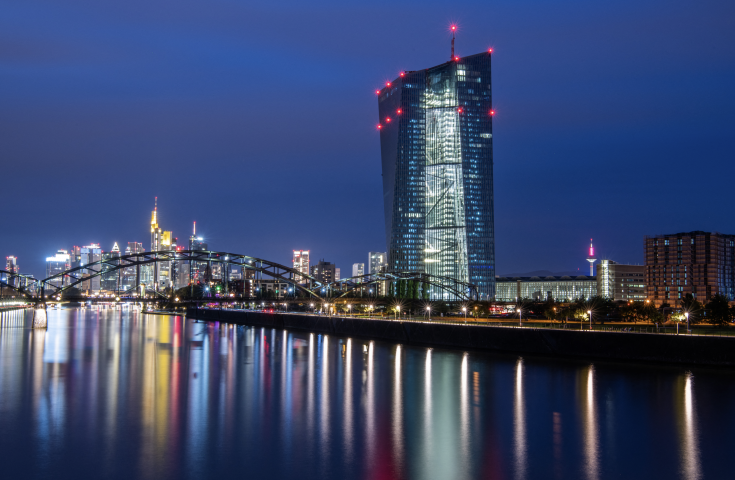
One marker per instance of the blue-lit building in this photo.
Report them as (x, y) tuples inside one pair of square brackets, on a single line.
[(436, 146)]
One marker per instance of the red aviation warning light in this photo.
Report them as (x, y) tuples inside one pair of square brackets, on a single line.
[(456, 59), (379, 126), (454, 28), (489, 50), (387, 119), (403, 74), (399, 111), (492, 112), (377, 92), (387, 84), (459, 110)]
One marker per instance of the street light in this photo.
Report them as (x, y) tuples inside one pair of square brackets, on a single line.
[(464, 309), (428, 310), (398, 311), (520, 318), (686, 314), (589, 312), (349, 310)]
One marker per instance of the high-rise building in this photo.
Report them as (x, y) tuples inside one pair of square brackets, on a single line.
[(376, 262), (90, 254), (699, 263), (198, 269), (11, 266), (436, 147), (57, 264), (325, 272), (621, 282), (130, 278), (358, 269), (301, 262), (110, 281)]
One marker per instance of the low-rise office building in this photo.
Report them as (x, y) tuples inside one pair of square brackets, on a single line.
[(558, 288), (620, 282)]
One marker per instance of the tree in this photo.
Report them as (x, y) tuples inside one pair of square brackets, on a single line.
[(717, 310), (693, 307)]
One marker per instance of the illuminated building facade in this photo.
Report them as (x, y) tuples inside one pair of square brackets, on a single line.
[(700, 263), (325, 272), (11, 266), (57, 264), (358, 269), (621, 282), (301, 262), (558, 288), (130, 276), (110, 281), (436, 147), (198, 270), (377, 261), (90, 254)]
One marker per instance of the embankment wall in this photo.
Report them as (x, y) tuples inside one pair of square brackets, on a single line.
[(682, 349)]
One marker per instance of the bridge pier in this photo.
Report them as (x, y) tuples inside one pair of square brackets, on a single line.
[(40, 320)]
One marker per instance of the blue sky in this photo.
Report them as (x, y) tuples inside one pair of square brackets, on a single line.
[(614, 120)]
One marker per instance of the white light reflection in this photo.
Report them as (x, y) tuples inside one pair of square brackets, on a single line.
[(348, 415), (464, 416), (370, 407), (691, 468), (397, 413), (324, 406), (519, 421), (591, 440)]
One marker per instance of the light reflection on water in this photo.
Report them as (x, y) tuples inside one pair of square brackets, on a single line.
[(117, 394)]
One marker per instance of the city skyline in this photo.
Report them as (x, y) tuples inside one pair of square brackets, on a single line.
[(586, 133)]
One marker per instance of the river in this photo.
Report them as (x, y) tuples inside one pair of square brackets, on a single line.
[(114, 393)]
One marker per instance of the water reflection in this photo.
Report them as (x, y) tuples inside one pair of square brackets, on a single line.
[(689, 441), (588, 413), (519, 421), (162, 397)]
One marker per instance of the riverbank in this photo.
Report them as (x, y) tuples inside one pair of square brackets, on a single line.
[(642, 347)]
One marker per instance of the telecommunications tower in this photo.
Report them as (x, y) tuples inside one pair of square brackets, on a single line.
[(591, 258)]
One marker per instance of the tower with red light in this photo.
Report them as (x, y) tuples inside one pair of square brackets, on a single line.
[(591, 258), (435, 128)]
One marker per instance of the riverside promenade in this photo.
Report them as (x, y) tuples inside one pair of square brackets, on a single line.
[(562, 342)]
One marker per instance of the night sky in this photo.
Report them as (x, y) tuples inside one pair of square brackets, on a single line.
[(257, 120)]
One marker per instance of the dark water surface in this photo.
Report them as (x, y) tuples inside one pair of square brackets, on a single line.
[(118, 394)]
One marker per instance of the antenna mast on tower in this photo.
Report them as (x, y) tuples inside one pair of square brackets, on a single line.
[(454, 29), (591, 258)]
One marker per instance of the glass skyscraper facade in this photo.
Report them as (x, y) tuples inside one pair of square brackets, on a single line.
[(436, 147)]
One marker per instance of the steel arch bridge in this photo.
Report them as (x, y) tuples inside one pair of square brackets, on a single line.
[(38, 290)]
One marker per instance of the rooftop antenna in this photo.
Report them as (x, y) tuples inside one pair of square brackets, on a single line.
[(591, 258), (155, 204), (195, 229), (454, 29)]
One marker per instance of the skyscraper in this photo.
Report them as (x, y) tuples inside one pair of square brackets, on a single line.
[(57, 264), (376, 262), (358, 269), (11, 266), (301, 262), (436, 147), (90, 254)]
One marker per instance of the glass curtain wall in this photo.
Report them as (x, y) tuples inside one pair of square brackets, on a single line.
[(446, 247)]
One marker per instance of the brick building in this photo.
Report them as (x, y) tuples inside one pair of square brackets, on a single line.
[(700, 263)]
